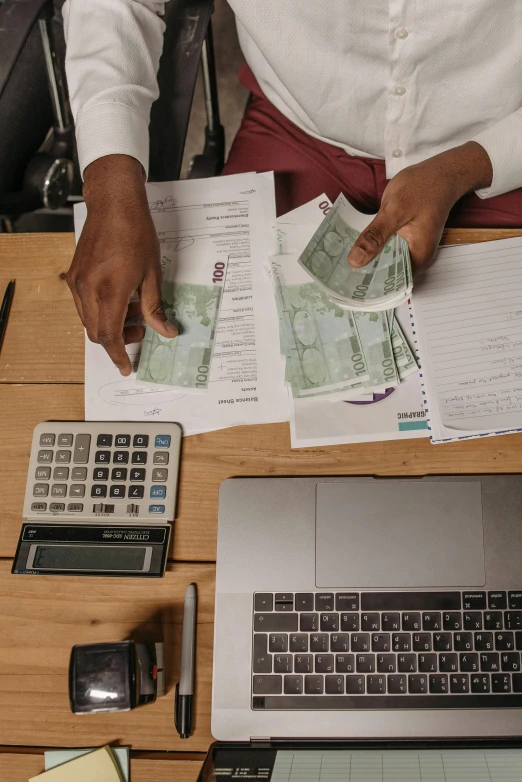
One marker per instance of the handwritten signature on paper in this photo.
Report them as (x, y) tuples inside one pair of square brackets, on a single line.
[(153, 411), (162, 204)]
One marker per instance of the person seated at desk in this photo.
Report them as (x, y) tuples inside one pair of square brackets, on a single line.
[(411, 109)]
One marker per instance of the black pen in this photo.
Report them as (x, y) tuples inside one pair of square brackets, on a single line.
[(185, 688), (4, 309)]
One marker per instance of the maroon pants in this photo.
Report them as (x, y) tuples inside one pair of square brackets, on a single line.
[(305, 167)]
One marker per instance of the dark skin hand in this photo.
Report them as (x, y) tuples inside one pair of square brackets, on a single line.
[(417, 201), (118, 254)]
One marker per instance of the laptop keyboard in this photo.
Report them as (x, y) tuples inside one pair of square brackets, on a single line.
[(364, 650)]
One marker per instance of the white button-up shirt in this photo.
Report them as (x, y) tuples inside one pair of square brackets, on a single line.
[(395, 79)]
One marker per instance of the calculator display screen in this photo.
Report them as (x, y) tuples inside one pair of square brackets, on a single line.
[(89, 557)]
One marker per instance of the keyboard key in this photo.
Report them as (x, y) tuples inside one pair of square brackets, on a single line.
[(493, 620), (427, 663), (324, 601), (474, 601), (438, 684), (443, 642), (480, 683), (140, 441), (283, 663), (304, 663), (278, 642), (77, 490), (102, 457), (370, 622), (284, 597), (340, 642), (381, 642), (417, 684), (472, 620), (497, 600), (263, 601), (463, 642), (314, 685), (262, 661), (100, 474), (299, 642), (136, 492), (82, 447), (452, 621), (162, 441), (422, 642), (518, 641), (459, 682), (139, 457), (160, 492), (347, 601), (324, 663), (319, 642), (117, 492), (376, 685), (104, 441), (397, 684), (489, 661), (407, 663), (448, 662), (56, 507), (45, 457), (411, 601), (504, 642), (268, 685), (60, 473), (38, 507), (432, 621), (159, 509), (515, 600), (334, 685), (411, 621), (360, 642), (161, 457), (98, 490), (160, 475), (304, 601), (513, 619), (391, 622), (401, 642), (47, 440), (500, 682), (510, 661), (517, 682), (272, 623), (330, 622), (40, 490), (344, 663), (469, 663), (355, 685), (365, 663), (293, 685), (122, 441), (120, 457), (64, 440), (137, 474), (309, 622), (79, 473), (44, 473), (350, 622), (386, 663)]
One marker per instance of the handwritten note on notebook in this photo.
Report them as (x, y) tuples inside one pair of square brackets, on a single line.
[(468, 321)]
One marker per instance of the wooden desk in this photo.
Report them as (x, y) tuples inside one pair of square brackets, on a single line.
[(41, 378)]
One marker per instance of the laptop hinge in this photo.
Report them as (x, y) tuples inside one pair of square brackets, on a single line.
[(260, 738)]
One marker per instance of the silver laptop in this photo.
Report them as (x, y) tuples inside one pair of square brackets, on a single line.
[(368, 608)]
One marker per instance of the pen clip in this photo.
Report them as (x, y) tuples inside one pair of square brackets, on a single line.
[(177, 721)]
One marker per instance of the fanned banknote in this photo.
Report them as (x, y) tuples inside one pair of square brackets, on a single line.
[(375, 338), (382, 284), (184, 361), (404, 357)]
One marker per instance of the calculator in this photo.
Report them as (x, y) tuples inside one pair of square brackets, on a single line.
[(100, 498)]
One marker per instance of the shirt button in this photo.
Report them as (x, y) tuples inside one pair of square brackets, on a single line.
[(401, 33), (399, 90), (397, 153)]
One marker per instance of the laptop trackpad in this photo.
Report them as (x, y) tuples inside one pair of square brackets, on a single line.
[(383, 533)]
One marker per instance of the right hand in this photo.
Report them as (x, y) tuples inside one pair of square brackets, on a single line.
[(117, 254)]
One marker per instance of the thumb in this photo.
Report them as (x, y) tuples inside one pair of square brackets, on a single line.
[(152, 307), (372, 240)]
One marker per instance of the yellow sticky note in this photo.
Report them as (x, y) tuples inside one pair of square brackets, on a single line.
[(99, 765)]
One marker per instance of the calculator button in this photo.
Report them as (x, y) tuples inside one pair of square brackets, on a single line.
[(136, 492), (77, 490), (159, 475), (79, 473), (75, 507), (120, 457), (104, 440), (137, 474), (139, 457), (156, 509), (63, 457), (82, 446), (59, 490), (98, 491), (102, 457), (117, 492), (65, 440), (39, 506), (162, 441), (44, 457), (56, 507), (40, 490), (47, 439), (61, 473), (42, 473), (122, 441), (140, 441), (108, 508), (119, 474), (133, 508), (98, 508), (158, 493), (161, 457), (100, 473)]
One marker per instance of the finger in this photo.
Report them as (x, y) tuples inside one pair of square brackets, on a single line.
[(152, 306), (111, 320), (133, 333), (372, 239), (87, 306)]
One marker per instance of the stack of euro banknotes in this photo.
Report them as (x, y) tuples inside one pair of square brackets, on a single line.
[(338, 332)]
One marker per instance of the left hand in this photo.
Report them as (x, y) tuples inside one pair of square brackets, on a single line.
[(417, 201)]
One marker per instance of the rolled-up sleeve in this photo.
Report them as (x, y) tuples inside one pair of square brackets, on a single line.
[(503, 143), (113, 52)]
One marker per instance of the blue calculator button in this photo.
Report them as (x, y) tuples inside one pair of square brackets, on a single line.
[(156, 509), (162, 441), (158, 492)]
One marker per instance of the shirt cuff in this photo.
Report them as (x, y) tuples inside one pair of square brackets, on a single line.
[(503, 143), (112, 129)]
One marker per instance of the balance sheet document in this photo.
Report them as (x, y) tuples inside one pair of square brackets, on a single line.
[(467, 320)]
